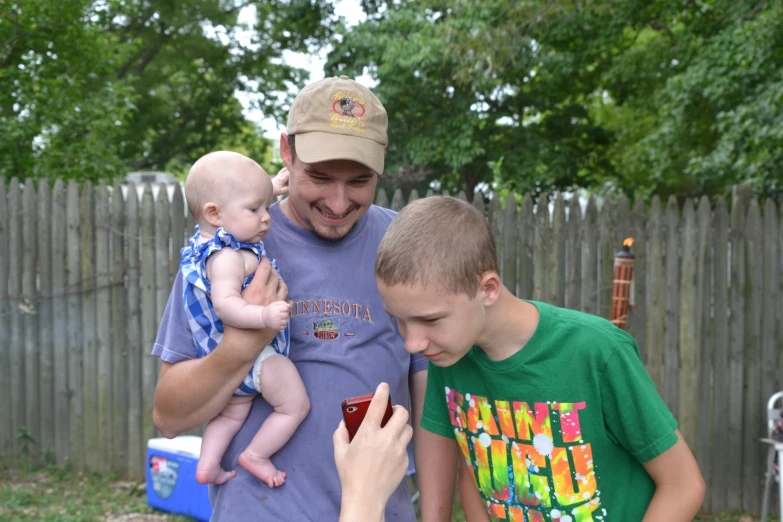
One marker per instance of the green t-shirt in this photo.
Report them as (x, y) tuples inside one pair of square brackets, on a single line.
[(558, 431)]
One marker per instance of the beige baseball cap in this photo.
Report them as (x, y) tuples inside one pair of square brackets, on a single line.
[(339, 119)]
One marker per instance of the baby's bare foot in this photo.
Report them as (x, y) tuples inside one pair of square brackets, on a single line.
[(212, 474), (263, 469)]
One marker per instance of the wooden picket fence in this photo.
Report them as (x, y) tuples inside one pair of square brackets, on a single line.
[(86, 271)]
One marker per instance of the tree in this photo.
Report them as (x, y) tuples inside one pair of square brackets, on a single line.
[(647, 97), (91, 89)]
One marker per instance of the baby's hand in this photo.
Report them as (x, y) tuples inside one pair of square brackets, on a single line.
[(279, 182), (275, 315)]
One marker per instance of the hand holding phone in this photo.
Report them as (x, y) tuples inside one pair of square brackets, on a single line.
[(373, 465), (355, 409)]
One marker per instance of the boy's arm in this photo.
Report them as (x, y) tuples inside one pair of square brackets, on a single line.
[(429, 454), (473, 506), (226, 271), (436, 471), (679, 486), (191, 392), (418, 386)]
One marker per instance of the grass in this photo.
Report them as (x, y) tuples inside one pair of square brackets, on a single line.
[(59, 494)]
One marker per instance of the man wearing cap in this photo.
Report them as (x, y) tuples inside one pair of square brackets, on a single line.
[(324, 238)]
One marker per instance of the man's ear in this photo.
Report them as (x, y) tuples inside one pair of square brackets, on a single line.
[(285, 151), (489, 287), (211, 213)]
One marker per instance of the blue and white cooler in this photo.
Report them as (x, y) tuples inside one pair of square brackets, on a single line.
[(171, 477)]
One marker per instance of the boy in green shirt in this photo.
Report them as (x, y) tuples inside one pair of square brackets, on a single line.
[(551, 410)]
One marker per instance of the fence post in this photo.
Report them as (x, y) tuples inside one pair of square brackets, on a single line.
[(754, 403), (542, 256), (623, 223), (495, 217), (74, 317), (119, 348), (27, 305), (149, 312), (103, 327), (15, 263), (6, 416), (705, 430), (527, 234), (165, 253), (737, 335), (606, 251), (45, 377), (478, 202), (574, 258), (381, 199), (720, 418), (655, 297), (510, 242), (89, 311), (60, 322), (638, 316), (397, 201), (671, 336), (133, 332), (685, 395), (179, 236), (770, 380), (557, 282), (590, 258)]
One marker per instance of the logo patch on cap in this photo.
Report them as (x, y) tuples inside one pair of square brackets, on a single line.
[(348, 111)]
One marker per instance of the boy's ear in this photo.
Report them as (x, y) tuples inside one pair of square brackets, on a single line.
[(489, 288), (211, 213)]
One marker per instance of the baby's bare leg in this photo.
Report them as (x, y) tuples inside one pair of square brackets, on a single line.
[(218, 435), (283, 389)]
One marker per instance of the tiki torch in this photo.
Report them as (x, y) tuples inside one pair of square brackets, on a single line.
[(621, 289)]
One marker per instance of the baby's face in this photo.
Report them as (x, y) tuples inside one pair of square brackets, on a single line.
[(245, 211)]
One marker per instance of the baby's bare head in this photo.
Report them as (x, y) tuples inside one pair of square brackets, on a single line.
[(216, 177)]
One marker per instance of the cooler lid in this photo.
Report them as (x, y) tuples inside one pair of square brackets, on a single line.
[(189, 445)]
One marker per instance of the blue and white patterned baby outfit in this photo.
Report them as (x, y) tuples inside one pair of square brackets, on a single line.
[(204, 323)]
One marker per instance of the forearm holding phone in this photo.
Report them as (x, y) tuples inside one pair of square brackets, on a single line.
[(372, 465)]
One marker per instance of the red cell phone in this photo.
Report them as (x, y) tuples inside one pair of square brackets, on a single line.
[(354, 410)]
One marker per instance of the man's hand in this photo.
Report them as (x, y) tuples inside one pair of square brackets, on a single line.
[(372, 466), (279, 182), (265, 289)]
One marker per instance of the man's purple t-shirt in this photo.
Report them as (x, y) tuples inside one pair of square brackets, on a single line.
[(342, 342)]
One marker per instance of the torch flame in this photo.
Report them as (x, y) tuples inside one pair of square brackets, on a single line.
[(628, 242)]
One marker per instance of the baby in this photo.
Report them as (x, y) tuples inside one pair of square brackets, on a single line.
[(229, 196)]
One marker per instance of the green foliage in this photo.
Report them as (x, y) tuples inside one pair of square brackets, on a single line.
[(639, 96), (92, 89), (646, 97)]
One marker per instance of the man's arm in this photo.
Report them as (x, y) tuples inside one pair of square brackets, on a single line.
[(679, 486), (190, 393)]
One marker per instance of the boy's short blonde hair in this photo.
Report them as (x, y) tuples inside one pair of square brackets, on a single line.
[(440, 241)]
